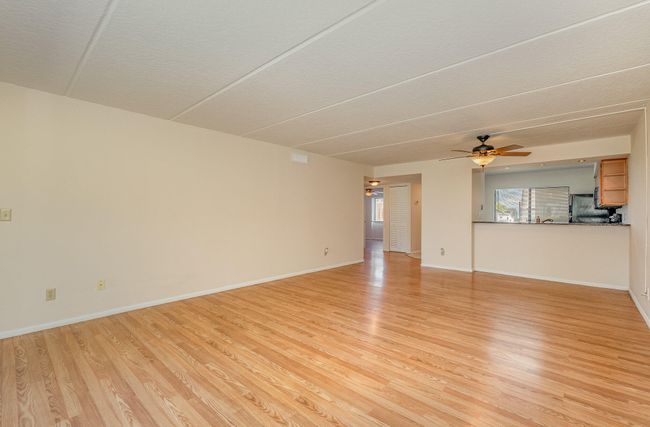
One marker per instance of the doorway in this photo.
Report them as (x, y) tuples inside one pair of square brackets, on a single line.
[(393, 214), (374, 217)]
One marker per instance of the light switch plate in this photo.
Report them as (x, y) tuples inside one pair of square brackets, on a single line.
[(5, 214)]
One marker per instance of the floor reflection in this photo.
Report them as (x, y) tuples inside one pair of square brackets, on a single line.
[(374, 256)]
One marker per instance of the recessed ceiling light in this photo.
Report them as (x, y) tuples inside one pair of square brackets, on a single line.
[(541, 165), (581, 161), (507, 167)]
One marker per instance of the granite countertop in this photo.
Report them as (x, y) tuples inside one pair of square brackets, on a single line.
[(596, 224)]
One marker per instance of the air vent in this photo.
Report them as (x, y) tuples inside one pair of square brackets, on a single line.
[(299, 158)]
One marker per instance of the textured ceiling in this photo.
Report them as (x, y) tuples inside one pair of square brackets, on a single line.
[(374, 82)]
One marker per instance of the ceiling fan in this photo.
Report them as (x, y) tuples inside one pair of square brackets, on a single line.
[(484, 154)]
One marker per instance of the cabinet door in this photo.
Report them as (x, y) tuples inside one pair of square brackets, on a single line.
[(613, 198), (613, 167), (616, 182), (613, 182)]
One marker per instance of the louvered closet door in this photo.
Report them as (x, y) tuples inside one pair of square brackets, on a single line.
[(400, 218)]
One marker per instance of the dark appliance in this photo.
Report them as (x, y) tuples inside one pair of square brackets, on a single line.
[(583, 210)]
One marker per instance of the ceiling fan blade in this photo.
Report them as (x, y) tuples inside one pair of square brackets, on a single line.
[(458, 157), (508, 148), (516, 153), (462, 151)]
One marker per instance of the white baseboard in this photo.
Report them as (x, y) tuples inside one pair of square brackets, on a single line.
[(558, 279), (645, 315), (123, 309), (447, 267)]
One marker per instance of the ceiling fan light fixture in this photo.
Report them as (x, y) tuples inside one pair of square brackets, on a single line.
[(483, 160)]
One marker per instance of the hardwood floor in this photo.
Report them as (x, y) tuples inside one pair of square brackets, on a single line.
[(382, 342)]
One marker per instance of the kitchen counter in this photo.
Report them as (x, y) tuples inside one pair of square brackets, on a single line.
[(594, 256), (597, 224)]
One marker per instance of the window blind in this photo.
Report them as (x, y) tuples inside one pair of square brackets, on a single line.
[(525, 205), (551, 203)]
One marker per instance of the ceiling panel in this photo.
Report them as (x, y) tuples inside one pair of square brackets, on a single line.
[(590, 128), (394, 41), (397, 134), (622, 41), (590, 94), (375, 81), (436, 148), (159, 57), (41, 42)]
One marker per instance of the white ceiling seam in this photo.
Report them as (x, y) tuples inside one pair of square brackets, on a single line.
[(347, 19), (454, 65), (503, 125), (577, 119), (411, 119), (101, 25), (640, 106)]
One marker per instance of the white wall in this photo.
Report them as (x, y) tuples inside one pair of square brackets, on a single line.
[(479, 207), (416, 216), (156, 208), (446, 210), (580, 254), (638, 216), (386, 228), (579, 179)]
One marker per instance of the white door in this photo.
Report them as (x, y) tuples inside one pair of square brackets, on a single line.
[(400, 218)]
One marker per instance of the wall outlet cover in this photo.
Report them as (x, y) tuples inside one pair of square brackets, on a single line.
[(5, 214), (50, 294), (101, 285)]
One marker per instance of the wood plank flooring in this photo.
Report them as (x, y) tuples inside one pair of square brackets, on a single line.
[(379, 343)]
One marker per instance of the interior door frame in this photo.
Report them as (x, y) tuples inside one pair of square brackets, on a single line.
[(410, 215)]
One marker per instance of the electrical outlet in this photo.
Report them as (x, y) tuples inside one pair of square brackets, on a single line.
[(101, 285), (5, 214), (50, 294), (326, 251), (442, 251)]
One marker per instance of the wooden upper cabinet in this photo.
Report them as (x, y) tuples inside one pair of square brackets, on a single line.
[(613, 182)]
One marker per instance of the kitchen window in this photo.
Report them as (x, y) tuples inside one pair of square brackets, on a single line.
[(526, 205), (378, 209)]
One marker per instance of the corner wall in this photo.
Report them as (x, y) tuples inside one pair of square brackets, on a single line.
[(159, 210), (638, 215), (446, 220)]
